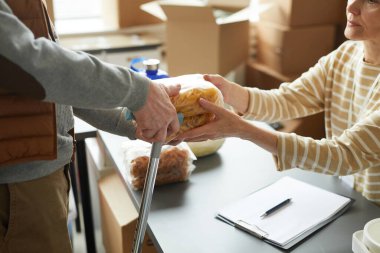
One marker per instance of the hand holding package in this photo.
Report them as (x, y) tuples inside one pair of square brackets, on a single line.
[(193, 87)]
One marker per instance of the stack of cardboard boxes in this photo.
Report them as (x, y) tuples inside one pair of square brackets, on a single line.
[(291, 36)]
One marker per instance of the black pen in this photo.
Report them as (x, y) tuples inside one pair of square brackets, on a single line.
[(276, 207)]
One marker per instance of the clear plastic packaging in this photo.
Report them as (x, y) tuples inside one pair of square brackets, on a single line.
[(176, 163), (193, 87)]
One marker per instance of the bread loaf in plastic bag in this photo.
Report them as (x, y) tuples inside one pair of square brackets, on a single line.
[(176, 163)]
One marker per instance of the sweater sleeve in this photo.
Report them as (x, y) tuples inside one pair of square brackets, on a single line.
[(302, 97), (355, 149), (110, 120), (68, 77)]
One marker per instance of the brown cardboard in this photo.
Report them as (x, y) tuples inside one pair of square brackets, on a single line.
[(198, 43), (239, 4), (263, 77), (340, 27), (293, 51), (311, 126), (302, 12), (130, 14), (118, 216)]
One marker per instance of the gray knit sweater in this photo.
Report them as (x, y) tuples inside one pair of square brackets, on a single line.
[(95, 91)]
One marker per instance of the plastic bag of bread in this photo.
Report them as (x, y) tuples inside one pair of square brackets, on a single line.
[(176, 163), (193, 87)]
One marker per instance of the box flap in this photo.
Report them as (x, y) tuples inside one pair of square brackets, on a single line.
[(156, 8), (193, 13), (242, 15), (130, 13), (239, 4)]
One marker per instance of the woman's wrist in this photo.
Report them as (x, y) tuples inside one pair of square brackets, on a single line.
[(243, 100), (240, 99), (266, 139)]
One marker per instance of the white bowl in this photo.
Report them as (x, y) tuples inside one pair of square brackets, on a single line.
[(357, 243), (204, 148), (371, 235)]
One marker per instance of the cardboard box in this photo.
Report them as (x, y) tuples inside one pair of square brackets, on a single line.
[(240, 4), (311, 126), (302, 12), (118, 217), (293, 51), (340, 28), (130, 14), (263, 77), (198, 42)]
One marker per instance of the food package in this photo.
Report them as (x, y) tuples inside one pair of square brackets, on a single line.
[(193, 87), (176, 163)]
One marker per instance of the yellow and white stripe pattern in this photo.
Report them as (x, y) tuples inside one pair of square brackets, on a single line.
[(347, 89)]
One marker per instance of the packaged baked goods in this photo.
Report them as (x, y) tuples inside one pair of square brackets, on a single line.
[(176, 163), (187, 101), (193, 87)]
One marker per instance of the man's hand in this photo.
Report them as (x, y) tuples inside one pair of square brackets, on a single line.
[(158, 117)]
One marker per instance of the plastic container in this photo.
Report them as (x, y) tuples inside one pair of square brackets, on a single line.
[(205, 148), (371, 235), (357, 243), (367, 240), (151, 68)]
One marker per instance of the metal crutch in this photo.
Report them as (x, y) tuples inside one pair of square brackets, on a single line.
[(146, 197)]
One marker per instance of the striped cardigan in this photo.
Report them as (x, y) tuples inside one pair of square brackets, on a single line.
[(347, 89)]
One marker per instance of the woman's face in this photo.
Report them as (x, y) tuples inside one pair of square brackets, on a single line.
[(363, 20)]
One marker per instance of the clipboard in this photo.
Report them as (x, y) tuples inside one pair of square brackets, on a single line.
[(311, 209)]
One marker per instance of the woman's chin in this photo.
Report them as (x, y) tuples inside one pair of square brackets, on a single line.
[(351, 34)]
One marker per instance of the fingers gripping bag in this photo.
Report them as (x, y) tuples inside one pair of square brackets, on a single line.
[(176, 163), (193, 87)]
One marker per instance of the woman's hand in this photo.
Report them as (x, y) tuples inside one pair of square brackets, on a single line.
[(229, 124), (233, 93), (225, 123)]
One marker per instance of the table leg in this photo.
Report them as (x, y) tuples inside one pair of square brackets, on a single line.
[(74, 185), (85, 197)]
